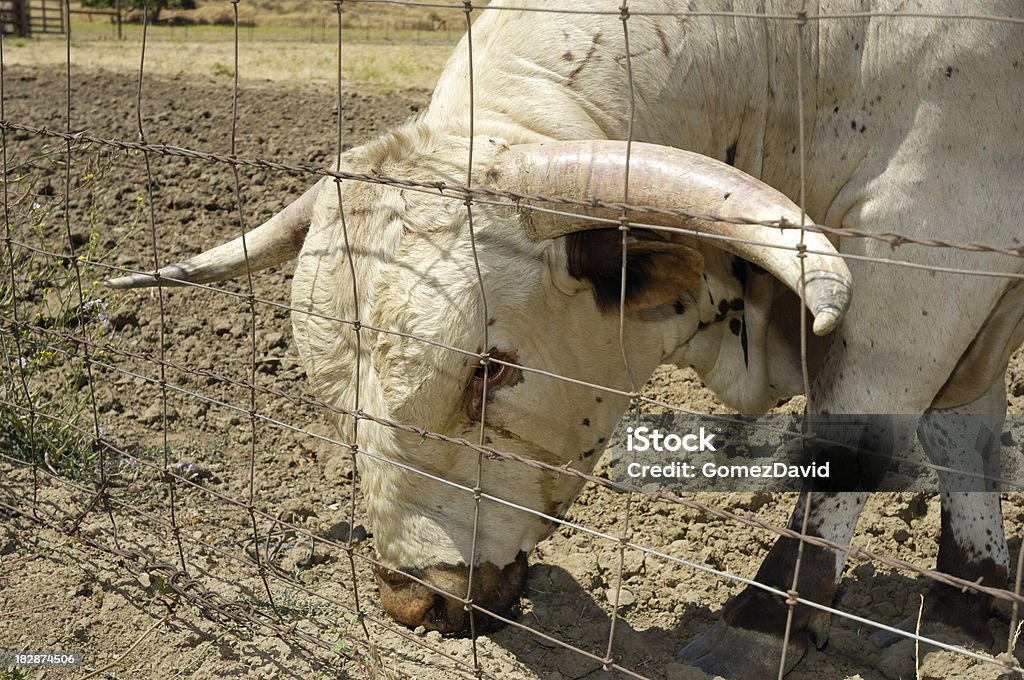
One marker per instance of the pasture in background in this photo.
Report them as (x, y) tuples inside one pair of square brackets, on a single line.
[(387, 47)]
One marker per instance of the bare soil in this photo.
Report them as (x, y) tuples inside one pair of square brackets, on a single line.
[(59, 592)]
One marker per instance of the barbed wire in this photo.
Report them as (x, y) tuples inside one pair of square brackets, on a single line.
[(449, 190), (852, 550)]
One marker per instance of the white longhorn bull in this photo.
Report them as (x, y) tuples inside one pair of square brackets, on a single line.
[(912, 125)]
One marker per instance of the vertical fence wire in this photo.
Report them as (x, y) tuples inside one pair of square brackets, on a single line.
[(468, 607), (20, 348), (162, 335), (624, 228), (82, 348), (807, 496), (250, 299), (358, 333)]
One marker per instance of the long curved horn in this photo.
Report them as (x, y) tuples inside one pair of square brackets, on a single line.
[(668, 178), (276, 240)]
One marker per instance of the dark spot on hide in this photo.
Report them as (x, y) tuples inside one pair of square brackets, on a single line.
[(730, 153), (738, 267), (678, 306), (590, 55), (588, 453), (657, 271), (743, 344), (734, 326), (663, 40), (586, 422), (723, 310)]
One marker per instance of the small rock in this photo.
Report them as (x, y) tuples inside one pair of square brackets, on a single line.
[(271, 339), (145, 579), (1006, 439), (680, 671), (339, 532), (901, 535), (8, 540), (92, 529), (864, 570), (886, 610), (420, 631), (227, 652), (113, 404), (155, 413), (626, 597), (124, 319), (338, 469), (222, 326)]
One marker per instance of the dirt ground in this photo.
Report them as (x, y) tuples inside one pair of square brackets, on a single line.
[(59, 593)]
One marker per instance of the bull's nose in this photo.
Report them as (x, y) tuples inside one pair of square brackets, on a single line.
[(437, 606)]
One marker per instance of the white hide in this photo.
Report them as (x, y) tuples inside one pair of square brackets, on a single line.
[(912, 126)]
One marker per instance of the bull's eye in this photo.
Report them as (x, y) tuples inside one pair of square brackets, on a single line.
[(488, 379), (494, 373)]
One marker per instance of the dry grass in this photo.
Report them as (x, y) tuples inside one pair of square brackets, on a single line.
[(354, 14), (299, 56)]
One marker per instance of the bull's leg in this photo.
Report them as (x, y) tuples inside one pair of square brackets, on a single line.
[(972, 545), (755, 621)]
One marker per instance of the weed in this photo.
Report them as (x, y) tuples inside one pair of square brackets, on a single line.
[(49, 302), (15, 674), (219, 68)]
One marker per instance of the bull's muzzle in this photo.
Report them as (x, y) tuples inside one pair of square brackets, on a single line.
[(439, 606)]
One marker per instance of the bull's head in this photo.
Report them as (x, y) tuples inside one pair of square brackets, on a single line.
[(535, 292)]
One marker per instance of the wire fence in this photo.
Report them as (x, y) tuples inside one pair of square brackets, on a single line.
[(72, 469)]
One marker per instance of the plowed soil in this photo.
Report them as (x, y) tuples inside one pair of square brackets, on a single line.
[(58, 592)]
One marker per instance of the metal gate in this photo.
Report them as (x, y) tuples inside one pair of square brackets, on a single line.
[(25, 17), (46, 16), (14, 17)]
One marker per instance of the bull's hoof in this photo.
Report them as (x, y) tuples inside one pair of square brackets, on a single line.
[(740, 654)]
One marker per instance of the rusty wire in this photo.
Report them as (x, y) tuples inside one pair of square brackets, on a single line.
[(851, 550), (463, 192)]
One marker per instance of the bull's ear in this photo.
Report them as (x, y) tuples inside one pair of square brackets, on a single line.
[(657, 271)]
